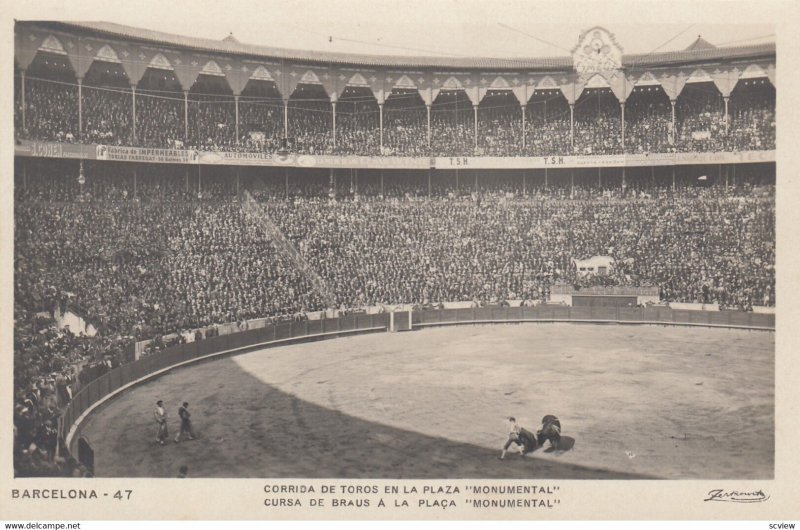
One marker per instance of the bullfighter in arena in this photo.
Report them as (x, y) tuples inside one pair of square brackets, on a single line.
[(520, 436), (186, 422), (161, 419)]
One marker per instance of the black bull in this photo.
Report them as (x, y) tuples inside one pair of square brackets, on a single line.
[(527, 440), (549, 432)]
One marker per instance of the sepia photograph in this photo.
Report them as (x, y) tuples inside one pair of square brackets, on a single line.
[(439, 262)]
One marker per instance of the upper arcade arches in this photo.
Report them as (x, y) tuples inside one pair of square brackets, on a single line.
[(239, 96), (596, 51), (187, 65)]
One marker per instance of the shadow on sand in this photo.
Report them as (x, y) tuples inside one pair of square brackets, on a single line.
[(249, 429)]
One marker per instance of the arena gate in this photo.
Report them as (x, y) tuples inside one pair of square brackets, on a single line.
[(604, 301), (603, 296)]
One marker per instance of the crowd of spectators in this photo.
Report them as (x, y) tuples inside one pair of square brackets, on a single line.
[(499, 126), (547, 124), (137, 258), (50, 365), (752, 117), (357, 125), (260, 119), (110, 121), (160, 119), (310, 126), (648, 121), (150, 264), (212, 122), (405, 129), (142, 252), (452, 125), (598, 124), (51, 112), (708, 247), (143, 255), (146, 252)]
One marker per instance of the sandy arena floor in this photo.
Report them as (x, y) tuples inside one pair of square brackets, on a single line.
[(641, 402)]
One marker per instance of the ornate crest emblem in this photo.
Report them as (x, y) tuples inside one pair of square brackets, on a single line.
[(597, 53)]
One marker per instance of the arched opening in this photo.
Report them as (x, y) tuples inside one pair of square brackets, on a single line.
[(357, 122), (598, 125), (107, 105), (648, 120), (452, 124), (310, 120), (212, 113), (700, 113), (51, 98), (499, 124), (752, 115), (260, 116), (159, 110), (405, 127), (547, 131)]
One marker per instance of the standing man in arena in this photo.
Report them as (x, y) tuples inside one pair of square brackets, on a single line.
[(520, 436), (161, 419), (186, 422)]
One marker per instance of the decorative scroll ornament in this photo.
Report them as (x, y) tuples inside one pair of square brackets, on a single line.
[(405, 82), (52, 45), (212, 68), (358, 80), (597, 53), (262, 74), (107, 54), (499, 83), (310, 78), (452, 84), (160, 62)]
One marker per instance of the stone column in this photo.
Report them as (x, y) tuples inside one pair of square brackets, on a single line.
[(727, 120), (133, 100), (380, 116), (22, 82), (674, 132), (286, 118), (186, 115), (572, 125), (333, 104), (475, 108), (429, 125), (236, 103), (80, 108)]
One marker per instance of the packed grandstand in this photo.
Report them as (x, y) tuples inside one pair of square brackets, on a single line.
[(161, 244)]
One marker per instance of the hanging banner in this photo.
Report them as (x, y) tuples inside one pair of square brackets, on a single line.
[(188, 156), (741, 157), (319, 161), (635, 160), (366, 162), (247, 159), (53, 150), (144, 154)]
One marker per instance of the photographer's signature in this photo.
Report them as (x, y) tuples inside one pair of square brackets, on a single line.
[(721, 495)]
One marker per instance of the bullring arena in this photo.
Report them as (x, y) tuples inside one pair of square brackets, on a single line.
[(359, 266), (640, 401)]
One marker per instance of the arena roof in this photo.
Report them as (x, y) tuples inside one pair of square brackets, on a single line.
[(700, 51)]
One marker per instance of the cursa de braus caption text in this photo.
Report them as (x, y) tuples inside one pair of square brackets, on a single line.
[(434, 496)]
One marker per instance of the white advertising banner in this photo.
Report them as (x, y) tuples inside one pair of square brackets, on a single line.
[(633, 160)]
